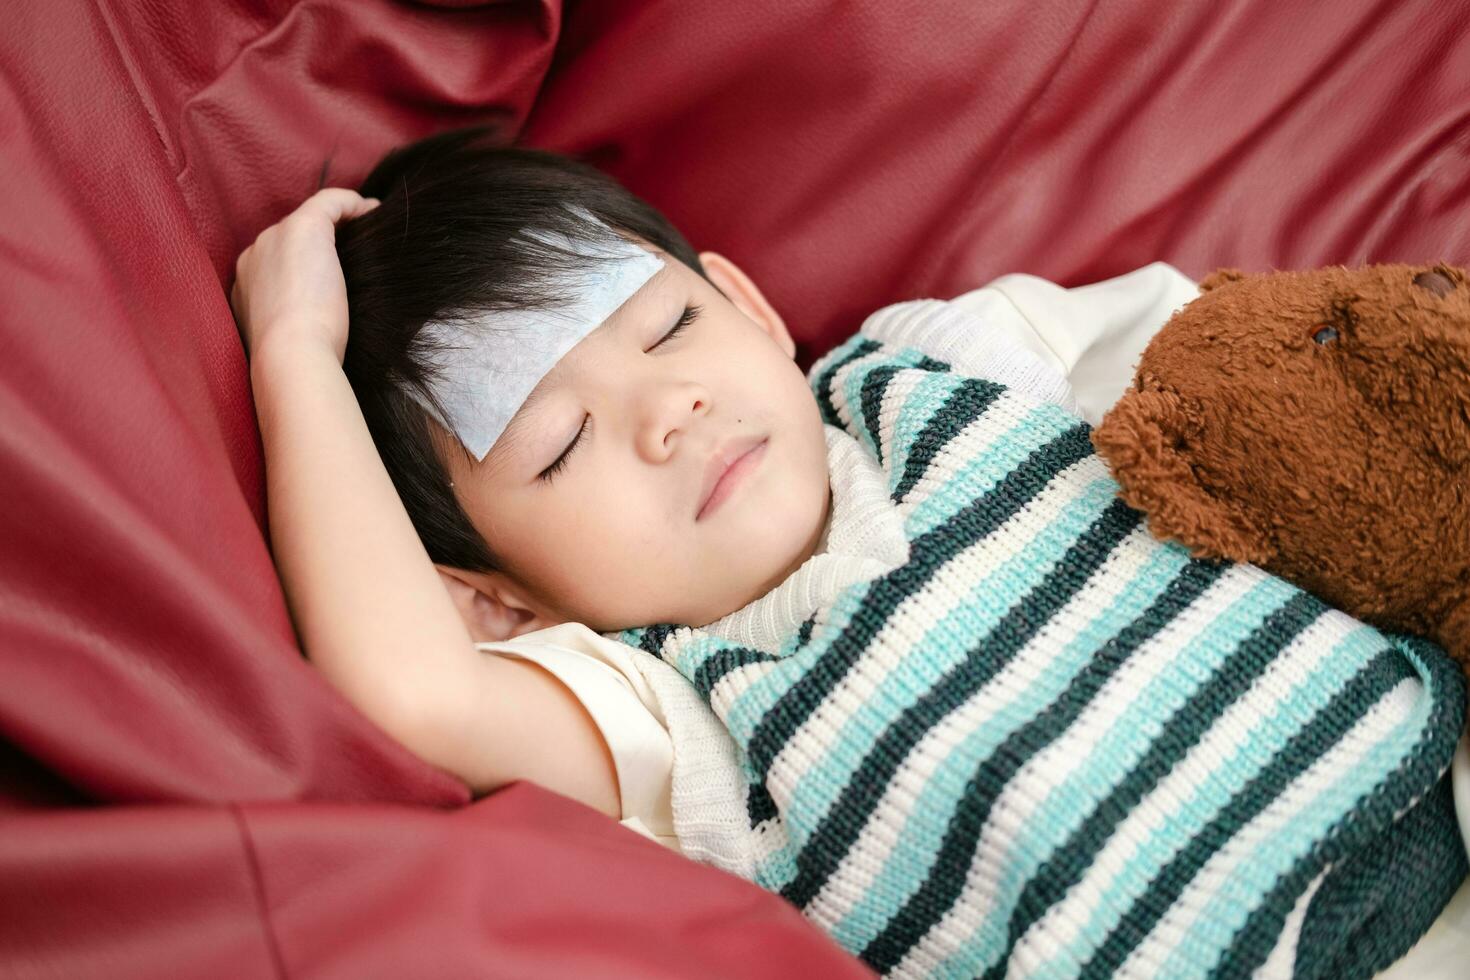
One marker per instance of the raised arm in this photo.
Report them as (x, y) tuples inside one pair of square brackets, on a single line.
[(367, 603)]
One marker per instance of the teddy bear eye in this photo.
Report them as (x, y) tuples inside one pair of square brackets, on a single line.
[(1325, 335), (1436, 282)]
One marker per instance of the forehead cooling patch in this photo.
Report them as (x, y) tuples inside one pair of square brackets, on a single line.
[(485, 366)]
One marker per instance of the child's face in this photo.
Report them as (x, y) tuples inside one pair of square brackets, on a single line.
[(623, 534)]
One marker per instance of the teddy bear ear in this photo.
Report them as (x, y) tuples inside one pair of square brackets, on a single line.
[(1144, 439), (1219, 278)]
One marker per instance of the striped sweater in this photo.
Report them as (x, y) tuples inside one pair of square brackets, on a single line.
[(1038, 741)]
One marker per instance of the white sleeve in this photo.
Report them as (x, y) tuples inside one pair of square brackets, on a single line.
[(974, 343), (1092, 335), (636, 735)]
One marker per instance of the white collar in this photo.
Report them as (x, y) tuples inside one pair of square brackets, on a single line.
[(863, 539)]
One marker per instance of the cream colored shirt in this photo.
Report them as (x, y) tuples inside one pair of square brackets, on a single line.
[(603, 675)]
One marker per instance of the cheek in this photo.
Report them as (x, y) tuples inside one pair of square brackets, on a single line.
[(613, 531)]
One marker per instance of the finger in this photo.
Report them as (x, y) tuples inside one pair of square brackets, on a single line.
[(368, 203), (339, 203), (362, 206)]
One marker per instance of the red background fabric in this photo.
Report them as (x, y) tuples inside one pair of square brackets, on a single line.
[(180, 794)]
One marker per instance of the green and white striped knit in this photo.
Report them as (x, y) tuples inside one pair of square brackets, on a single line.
[(1045, 743)]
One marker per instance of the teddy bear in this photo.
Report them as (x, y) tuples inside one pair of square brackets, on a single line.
[(1317, 425)]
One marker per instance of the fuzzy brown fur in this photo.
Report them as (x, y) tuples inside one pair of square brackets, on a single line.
[(1339, 461)]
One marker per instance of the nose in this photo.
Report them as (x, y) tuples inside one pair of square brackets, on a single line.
[(667, 410)]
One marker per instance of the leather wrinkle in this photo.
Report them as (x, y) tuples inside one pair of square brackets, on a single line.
[(257, 889)]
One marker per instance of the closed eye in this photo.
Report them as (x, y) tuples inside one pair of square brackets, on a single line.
[(561, 461), (691, 313)]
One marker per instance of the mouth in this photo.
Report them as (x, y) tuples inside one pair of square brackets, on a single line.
[(726, 472)]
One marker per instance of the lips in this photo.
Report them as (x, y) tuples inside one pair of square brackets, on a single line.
[(726, 469)]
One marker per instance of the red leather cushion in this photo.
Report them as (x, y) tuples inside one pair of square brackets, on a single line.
[(252, 822), (149, 655), (519, 885)]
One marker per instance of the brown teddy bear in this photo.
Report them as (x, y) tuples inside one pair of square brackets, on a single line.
[(1316, 424)]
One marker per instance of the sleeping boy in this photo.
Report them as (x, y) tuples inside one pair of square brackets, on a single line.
[(560, 506)]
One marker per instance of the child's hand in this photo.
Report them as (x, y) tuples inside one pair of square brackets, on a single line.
[(288, 284)]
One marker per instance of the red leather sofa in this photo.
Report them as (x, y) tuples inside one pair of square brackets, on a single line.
[(180, 794)]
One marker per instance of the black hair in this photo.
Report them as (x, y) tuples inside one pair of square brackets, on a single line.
[(466, 225)]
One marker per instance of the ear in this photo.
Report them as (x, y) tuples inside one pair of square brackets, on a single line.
[(492, 607), (1144, 439), (1219, 278), (738, 288)]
